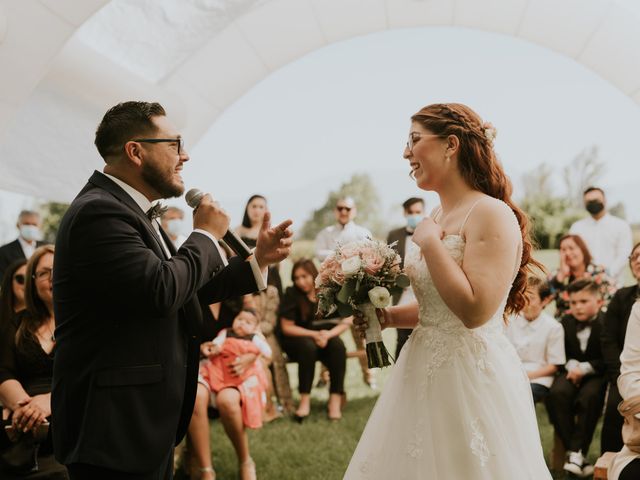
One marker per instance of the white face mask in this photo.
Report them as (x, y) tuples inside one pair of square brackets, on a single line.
[(30, 233), (174, 227)]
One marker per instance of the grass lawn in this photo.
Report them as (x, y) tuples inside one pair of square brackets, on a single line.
[(319, 449)]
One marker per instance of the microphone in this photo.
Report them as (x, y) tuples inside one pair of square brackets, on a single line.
[(231, 238)]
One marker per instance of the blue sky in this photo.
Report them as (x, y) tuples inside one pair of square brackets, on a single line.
[(345, 108)]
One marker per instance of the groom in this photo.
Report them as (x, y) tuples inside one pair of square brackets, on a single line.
[(127, 304)]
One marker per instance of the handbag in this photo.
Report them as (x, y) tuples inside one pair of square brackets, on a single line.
[(631, 427), (19, 451)]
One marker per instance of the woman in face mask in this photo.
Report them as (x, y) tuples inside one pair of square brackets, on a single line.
[(576, 263)]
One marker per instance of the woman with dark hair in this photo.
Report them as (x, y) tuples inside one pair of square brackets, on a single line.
[(252, 218), (307, 339), (457, 404), (12, 291), (576, 263), (27, 346), (613, 336)]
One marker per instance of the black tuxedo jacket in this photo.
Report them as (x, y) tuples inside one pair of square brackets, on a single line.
[(11, 252), (128, 321), (593, 352), (398, 235), (615, 328)]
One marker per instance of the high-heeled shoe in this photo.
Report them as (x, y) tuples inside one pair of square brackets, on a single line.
[(300, 418)]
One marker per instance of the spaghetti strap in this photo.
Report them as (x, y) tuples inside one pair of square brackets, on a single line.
[(464, 222), (437, 213)]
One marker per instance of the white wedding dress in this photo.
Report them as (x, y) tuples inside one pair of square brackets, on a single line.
[(457, 405)]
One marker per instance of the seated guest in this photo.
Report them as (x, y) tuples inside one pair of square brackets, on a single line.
[(248, 231), (172, 223), (613, 335), (27, 346), (220, 370), (267, 304), (22, 247), (576, 397), (12, 291), (626, 464), (576, 263), (307, 340), (538, 338), (233, 372)]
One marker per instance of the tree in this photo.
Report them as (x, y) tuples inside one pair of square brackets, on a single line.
[(52, 213), (583, 171), (361, 189)]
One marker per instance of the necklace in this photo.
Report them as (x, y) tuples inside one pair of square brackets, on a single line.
[(51, 332)]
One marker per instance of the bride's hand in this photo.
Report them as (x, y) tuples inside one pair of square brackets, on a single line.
[(361, 323), (427, 231)]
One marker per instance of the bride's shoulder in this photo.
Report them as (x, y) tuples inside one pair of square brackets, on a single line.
[(492, 215)]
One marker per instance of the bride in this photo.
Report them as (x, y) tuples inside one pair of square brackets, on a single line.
[(457, 405)]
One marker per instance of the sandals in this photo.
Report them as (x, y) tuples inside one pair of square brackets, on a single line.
[(204, 470), (248, 470)]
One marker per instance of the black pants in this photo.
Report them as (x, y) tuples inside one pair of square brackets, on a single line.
[(631, 471), (574, 411), (403, 335), (305, 352), (611, 440), (83, 471)]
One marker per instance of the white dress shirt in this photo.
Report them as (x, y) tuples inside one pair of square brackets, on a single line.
[(628, 382), (609, 240), (539, 342), (328, 238), (144, 204), (27, 248)]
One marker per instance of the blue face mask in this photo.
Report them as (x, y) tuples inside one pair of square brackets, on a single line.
[(174, 227), (30, 232), (413, 220)]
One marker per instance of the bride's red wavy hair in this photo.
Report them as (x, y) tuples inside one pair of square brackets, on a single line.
[(482, 170)]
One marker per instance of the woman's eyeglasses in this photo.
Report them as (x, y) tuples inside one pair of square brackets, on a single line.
[(44, 274)]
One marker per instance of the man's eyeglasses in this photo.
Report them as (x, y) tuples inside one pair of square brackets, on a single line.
[(414, 137), (346, 209), (179, 141), (44, 274), (19, 279)]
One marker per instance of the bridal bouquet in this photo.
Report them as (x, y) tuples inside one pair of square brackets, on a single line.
[(361, 276)]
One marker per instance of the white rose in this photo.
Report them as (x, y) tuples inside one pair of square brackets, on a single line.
[(380, 297), (351, 266)]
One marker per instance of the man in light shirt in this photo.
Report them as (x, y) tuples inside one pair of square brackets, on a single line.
[(538, 338), (344, 231), (609, 238)]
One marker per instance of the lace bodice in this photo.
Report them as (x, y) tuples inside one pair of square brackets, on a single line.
[(433, 311)]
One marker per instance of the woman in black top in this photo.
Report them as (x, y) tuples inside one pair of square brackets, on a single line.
[(27, 346), (252, 218), (307, 340), (12, 291), (612, 338)]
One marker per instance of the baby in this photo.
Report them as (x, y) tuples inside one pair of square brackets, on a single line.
[(234, 362)]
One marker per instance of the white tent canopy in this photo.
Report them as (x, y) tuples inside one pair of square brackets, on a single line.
[(64, 62)]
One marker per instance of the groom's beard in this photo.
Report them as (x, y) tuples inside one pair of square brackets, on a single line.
[(161, 180)]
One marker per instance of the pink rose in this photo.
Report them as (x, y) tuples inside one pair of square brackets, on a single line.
[(372, 260)]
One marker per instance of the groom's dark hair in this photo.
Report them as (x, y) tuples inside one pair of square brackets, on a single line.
[(124, 122)]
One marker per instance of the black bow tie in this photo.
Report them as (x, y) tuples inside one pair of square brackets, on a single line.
[(156, 211), (582, 325)]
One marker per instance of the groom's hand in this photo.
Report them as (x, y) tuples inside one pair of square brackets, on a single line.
[(274, 243)]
